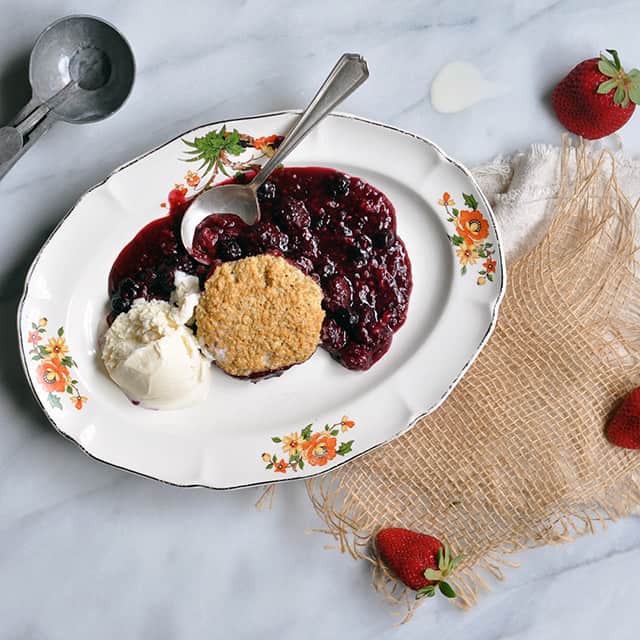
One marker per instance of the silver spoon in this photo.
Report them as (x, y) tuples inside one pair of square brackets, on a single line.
[(81, 70), (348, 74)]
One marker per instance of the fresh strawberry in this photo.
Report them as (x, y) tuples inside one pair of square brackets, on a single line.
[(597, 97), (422, 562), (624, 428)]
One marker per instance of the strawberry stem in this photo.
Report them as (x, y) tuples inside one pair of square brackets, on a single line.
[(616, 59)]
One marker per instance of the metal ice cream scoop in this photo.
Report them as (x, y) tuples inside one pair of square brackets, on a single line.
[(81, 70)]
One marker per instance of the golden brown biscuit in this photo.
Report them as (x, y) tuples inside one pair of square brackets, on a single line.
[(258, 315)]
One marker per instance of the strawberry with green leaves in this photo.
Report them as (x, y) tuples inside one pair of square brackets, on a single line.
[(420, 561), (597, 97)]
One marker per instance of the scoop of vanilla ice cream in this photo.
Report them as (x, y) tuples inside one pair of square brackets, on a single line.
[(154, 358)]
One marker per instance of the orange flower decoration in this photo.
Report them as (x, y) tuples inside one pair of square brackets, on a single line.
[(192, 179), (34, 337), (281, 466), (78, 401), (446, 200), (266, 144), (490, 265), (472, 226), (53, 375), (346, 424), (320, 449)]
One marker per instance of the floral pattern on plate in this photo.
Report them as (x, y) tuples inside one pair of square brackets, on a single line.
[(214, 151), (470, 237), (54, 365), (315, 448)]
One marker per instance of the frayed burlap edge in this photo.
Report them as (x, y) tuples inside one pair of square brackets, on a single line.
[(354, 527)]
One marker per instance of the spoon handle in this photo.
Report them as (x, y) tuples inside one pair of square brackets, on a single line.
[(348, 74)]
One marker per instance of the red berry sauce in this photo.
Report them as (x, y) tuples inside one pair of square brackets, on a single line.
[(338, 229)]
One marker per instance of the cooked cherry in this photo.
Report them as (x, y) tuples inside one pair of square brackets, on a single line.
[(333, 335), (338, 293), (293, 214)]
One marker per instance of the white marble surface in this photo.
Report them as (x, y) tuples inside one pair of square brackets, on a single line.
[(87, 551)]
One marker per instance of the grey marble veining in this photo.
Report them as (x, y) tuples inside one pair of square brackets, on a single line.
[(87, 551)]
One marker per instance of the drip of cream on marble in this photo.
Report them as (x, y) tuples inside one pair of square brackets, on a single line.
[(458, 86)]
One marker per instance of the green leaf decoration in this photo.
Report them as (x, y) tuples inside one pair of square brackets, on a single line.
[(60, 331), (34, 325), (276, 439), (274, 459), (54, 401), (344, 448), (489, 277), (69, 389), (470, 200), (270, 465), (463, 271), (208, 149), (301, 463), (335, 432), (457, 240), (43, 350), (306, 432), (446, 590), (456, 212), (67, 361)]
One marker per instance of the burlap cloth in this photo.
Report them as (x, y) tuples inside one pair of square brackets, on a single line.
[(516, 456)]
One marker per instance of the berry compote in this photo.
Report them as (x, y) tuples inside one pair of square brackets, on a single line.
[(338, 229)]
